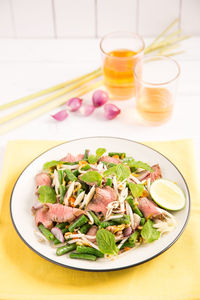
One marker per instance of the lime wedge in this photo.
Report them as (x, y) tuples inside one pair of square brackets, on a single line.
[(167, 194)]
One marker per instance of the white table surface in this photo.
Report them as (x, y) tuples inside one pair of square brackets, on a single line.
[(27, 66)]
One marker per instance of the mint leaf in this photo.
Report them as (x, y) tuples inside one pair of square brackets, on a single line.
[(121, 171), (51, 164), (92, 159), (139, 164), (46, 194), (92, 177), (106, 242), (149, 233), (136, 189), (70, 175), (100, 152)]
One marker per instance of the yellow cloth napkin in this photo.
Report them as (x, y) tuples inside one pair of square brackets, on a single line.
[(24, 275)]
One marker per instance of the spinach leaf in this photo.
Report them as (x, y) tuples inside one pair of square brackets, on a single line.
[(100, 152), (149, 233), (136, 189), (106, 242), (121, 171), (46, 194), (70, 176), (51, 164), (92, 177)]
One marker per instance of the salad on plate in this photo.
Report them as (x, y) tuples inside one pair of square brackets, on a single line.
[(102, 205)]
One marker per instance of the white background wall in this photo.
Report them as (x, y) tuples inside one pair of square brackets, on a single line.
[(94, 18)]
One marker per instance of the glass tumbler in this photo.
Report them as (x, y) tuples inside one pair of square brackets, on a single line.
[(120, 52), (156, 84)]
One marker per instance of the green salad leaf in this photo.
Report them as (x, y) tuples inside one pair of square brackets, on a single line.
[(92, 177), (136, 189), (51, 164), (149, 233), (121, 171), (137, 164), (46, 194), (100, 152), (92, 159), (106, 242)]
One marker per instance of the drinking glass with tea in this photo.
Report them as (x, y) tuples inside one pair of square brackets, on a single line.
[(156, 84), (120, 53)]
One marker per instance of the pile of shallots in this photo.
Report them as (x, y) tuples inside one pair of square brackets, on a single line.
[(99, 98)]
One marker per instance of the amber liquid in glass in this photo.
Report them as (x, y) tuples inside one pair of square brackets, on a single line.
[(154, 104), (118, 73)]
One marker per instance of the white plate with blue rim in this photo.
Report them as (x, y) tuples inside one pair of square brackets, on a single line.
[(23, 196)]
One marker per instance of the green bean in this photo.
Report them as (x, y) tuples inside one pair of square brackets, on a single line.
[(135, 209), (60, 176), (64, 230), (123, 220), (132, 239), (109, 181), (46, 232), (89, 250), (70, 163), (65, 249), (62, 225), (56, 242), (84, 228), (78, 223), (83, 256), (70, 176), (62, 190), (95, 218), (76, 173), (105, 224), (120, 154), (142, 221), (79, 191), (86, 154)]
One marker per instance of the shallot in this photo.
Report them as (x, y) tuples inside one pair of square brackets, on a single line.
[(99, 98), (87, 110), (74, 104), (61, 115), (57, 232), (111, 111)]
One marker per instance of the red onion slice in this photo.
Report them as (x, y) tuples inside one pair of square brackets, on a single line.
[(74, 104), (57, 232), (111, 111), (61, 115), (99, 98), (127, 231)]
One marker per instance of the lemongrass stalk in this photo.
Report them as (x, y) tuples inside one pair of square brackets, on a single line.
[(47, 91), (43, 101), (175, 53), (162, 34), (168, 48), (167, 44), (48, 107)]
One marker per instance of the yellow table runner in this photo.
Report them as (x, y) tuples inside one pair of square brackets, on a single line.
[(24, 275)]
